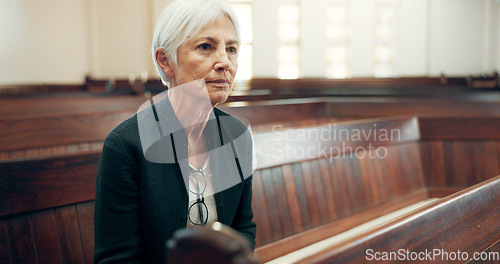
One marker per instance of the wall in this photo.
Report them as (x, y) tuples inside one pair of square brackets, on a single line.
[(61, 41), (121, 36), (43, 41), (456, 37), (496, 45)]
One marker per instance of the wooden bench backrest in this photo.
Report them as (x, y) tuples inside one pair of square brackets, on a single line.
[(48, 201), (48, 126), (303, 191), (57, 227), (57, 130), (46, 210), (467, 221)]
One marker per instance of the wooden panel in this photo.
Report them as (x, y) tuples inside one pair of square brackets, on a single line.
[(292, 199), (386, 106), (85, 213), (327, 194), (303, 239), (495, 253), (355, 187), (19, 107), (409, 159), (289, 146), (279, 110), (370, 174), (25, 89), (69, 235), (302, 199), (339, 183), (46, 151), (4, 244), (440, 192), (4, 155), (45, 233), (320, 191), (489, 256), (272, 205), (485, 161), (458, 162), (22, 244), (260, 216), (281, 200), (463, 128), (32, 184), (447, 224), (34, 132), (433, 162), (310, 194)]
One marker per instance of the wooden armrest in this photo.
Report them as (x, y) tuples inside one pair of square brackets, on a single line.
[(467, 221)]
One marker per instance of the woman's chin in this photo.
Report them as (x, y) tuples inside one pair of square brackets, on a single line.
[(218, 97)]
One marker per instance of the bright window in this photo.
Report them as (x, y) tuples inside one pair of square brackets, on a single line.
[(289, 36), (243, 10), (384, 39), (337, 40)]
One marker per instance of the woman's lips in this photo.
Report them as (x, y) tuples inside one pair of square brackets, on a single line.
[(219, 82)]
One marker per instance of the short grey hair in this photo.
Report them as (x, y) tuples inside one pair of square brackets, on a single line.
[(182, 19)]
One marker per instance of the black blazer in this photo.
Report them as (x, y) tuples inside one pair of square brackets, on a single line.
[(139, 204)]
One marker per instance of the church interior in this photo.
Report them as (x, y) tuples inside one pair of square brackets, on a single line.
[(375, 123)]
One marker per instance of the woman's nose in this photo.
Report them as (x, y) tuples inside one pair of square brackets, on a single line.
[(222, 60)]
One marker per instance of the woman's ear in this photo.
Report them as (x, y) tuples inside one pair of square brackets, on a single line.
[(165, 64)]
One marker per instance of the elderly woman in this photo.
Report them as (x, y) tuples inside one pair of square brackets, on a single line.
[(180, 161)]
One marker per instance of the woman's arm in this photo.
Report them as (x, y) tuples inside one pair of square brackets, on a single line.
[(116, 215)]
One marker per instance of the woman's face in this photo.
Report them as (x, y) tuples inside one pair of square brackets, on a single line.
[(210, 54)]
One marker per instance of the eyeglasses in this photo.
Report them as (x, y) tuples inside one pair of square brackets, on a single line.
[(199, 189)]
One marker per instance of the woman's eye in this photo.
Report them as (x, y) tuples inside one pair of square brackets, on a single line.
[(231, 50), (204, 46)]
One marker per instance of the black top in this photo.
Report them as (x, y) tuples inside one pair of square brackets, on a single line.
[(140, 204)]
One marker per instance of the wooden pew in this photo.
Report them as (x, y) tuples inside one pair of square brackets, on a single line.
[(57, 134), (309, 198), (450, 230), (47, 126), (46, 215), (38, 106), (47, 209)]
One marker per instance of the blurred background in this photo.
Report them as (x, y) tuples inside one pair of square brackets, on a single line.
[(65, 41)]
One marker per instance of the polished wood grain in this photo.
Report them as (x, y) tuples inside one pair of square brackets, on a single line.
[(55, 125), (312, 235), (459, 163), (46, 236), (291, 145), (313, 192), (467, 221), (20, 239), (296, 202), (468, 128), (30, 89), (69, 234), (85, 213), (18, 107), (33, 184), (23, 133), (56, 235), (4, 244)]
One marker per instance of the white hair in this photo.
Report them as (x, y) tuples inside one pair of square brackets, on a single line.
[(182, 19)]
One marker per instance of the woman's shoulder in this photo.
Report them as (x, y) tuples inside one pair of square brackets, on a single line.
[(234, 128), (126, 131), (235, 123)]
